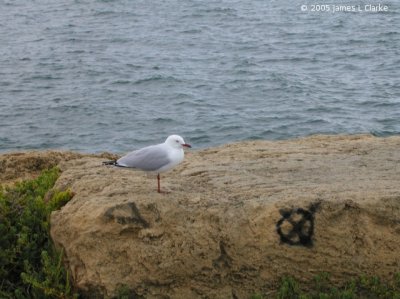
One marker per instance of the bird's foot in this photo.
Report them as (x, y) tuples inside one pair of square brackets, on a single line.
[(164, 192)]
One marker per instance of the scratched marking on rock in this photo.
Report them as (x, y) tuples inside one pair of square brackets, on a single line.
[(296, 227), (127, 213)]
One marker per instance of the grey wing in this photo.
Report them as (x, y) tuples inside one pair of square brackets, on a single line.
[(149, 158)]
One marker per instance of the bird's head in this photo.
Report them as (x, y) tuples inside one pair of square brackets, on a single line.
[(176, 141)]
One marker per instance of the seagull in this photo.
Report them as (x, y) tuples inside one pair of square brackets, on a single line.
[(155, 158)]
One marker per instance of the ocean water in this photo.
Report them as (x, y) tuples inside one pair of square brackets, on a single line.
[(117, 75)]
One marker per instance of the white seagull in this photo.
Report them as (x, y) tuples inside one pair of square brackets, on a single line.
[(155, 158)]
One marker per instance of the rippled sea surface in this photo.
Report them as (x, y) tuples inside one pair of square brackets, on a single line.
[(118, 75)]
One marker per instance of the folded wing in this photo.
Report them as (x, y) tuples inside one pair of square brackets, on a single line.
[(150, 158)]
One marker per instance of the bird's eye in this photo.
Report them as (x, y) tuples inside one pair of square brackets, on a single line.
[(177, 141)]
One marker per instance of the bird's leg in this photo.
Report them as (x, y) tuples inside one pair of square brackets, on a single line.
[(158, 181), (159, 188)]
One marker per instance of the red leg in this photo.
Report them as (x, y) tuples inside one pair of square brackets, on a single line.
[(158, 180)]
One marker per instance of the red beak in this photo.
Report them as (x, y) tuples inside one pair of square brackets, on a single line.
[(187, 145)]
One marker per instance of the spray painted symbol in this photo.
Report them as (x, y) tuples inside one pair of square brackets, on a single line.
[(296, 227)]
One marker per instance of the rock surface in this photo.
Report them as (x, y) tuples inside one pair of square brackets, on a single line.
[(237, 219), (26, 165)]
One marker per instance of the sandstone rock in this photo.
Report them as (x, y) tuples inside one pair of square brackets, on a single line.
[(26, 165), (237, 218)]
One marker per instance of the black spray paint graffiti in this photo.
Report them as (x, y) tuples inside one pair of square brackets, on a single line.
[(296, 227)]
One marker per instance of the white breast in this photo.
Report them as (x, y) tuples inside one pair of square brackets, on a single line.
[(176, 156)]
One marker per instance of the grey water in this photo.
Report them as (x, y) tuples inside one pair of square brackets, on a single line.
[(116, 75)]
